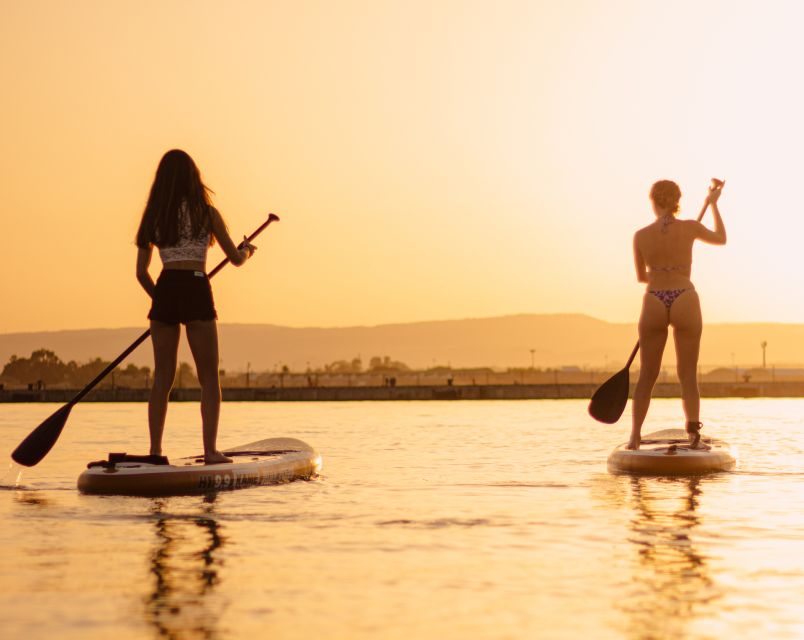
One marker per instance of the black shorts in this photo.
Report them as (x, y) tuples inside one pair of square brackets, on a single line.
[(182, 296)]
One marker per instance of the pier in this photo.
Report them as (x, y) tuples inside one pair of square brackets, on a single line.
[(777, 389)]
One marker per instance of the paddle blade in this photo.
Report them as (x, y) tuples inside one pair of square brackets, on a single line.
[(608, 402), (41, 440)]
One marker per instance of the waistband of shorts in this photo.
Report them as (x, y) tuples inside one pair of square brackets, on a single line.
[(182, 274)]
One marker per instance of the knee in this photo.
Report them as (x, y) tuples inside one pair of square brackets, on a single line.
[(210, 383), (687, 374), (649, 374), (162, 384), (163, 377), (689, 381), (646, 382)]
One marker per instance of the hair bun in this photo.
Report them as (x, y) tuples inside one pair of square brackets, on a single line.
[(666, 194)]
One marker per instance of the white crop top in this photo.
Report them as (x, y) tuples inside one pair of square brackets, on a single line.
[(187, 247)]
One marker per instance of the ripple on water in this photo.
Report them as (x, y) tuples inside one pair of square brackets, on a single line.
[(430, 520)]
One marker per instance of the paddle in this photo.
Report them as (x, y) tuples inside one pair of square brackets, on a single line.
[(41, 440), (608, 402)]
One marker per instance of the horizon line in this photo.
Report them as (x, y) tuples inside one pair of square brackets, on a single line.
[(410, 322)]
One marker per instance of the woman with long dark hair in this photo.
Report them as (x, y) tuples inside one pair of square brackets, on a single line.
[(181, 222), (663, 259)]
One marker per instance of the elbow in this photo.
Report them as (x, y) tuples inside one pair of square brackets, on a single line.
[(239, 257), (144, 276)]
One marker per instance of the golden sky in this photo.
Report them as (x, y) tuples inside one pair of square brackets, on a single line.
[(428, 159)]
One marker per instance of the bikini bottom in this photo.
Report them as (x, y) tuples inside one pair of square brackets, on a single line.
[(668, 296)]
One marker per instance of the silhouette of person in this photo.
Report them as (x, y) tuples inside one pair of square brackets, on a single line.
[(663, 260), (181, 222)]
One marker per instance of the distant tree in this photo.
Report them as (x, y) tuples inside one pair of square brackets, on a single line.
[(79, 375), (133, 376), (43, 365), (46, 366)]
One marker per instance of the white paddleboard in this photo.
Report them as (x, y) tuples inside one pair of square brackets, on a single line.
[(271, 461), (667, 453)]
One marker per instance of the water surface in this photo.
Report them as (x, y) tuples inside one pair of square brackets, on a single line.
[(430, 520)]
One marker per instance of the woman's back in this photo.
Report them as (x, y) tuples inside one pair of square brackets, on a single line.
[(189, 246), (665, 247)]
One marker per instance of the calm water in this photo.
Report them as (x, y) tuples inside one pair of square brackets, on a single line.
[(430, 520)]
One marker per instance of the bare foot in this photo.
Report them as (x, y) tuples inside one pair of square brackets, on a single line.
[(216, 457), (633, 443)]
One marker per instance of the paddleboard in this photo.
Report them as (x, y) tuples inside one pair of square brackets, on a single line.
[(667, 453), (271, 461)]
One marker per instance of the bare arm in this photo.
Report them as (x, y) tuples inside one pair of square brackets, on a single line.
[(143, 277), (235, 255), (639, 263), (718, 236)]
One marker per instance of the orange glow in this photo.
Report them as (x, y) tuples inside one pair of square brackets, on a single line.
[(428, 160)]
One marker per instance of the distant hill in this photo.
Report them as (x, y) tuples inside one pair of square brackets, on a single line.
[(506, 341)]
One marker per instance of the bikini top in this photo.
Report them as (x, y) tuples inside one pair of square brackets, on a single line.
[(187, 247), (676, 267)]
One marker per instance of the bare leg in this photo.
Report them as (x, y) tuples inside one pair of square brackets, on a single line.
[(652, 338), (203, 339), (685, 317), (165, 339)]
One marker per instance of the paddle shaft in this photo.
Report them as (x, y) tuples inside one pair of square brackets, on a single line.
[(80, 395)]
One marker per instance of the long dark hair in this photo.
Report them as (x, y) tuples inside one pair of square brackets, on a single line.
[(177, 184)]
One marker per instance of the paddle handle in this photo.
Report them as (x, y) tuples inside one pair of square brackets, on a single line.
[(271, 218), (716, 184), (80, 395)]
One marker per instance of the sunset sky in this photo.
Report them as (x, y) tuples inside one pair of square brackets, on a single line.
[(429, 160)]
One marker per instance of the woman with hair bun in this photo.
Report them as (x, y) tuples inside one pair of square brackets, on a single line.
[(181, 222), (663, 259)]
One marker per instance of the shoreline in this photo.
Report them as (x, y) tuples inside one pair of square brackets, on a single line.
[(776, 389)]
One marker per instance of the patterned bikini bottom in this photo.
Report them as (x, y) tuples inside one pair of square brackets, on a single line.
[(668, 296)]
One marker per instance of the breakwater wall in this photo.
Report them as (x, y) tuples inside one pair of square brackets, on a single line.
[(775, 389)]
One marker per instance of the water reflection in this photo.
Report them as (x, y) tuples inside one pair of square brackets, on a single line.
[(185, 566), (36, 498), (671, 584)]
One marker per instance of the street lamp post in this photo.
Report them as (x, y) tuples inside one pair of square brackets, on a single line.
[(764, 345)]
